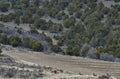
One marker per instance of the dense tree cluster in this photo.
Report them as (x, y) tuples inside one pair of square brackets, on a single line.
[(85, 27)]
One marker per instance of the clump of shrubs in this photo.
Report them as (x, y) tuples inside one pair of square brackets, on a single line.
[(15, 41), (56, 48)]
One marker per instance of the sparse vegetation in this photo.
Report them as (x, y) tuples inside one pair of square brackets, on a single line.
[(82, 28)]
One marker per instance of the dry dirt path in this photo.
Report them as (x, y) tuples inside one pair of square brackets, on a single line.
[(67, 63)]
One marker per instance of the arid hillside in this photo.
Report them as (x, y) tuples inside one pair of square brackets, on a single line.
[(79, 37), (83, 28)]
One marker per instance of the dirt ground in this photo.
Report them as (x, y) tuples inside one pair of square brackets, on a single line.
[(67, 63)]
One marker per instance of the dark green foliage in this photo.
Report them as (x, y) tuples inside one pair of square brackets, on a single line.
[(36, 2), (56, 28), (27, 17), (92, 5), (14, 41), (44, 27), (36, 46), (56, 48), (0, 51), (17, 21), (69, 22), (3, 39), (105, 10), (40, 12), (73, 50), (33, 30), (52, 11), (25, 42), (4, 7), (0, 31), (116, 0), (78, 14), (2, 25), (25, 2), (76, 22), (60, 15), (48, 39), (39, 22), (7, 18)]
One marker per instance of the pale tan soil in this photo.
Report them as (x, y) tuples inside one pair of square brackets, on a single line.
[(67, 63)]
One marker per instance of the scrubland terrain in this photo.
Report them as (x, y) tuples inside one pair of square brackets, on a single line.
[(55, 39), (77, 28)]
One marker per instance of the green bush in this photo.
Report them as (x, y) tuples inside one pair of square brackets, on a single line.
[(69, 22), (48, 39), (36, 46), (56, 48), (3, 38), (73, 50), (14, 41)]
